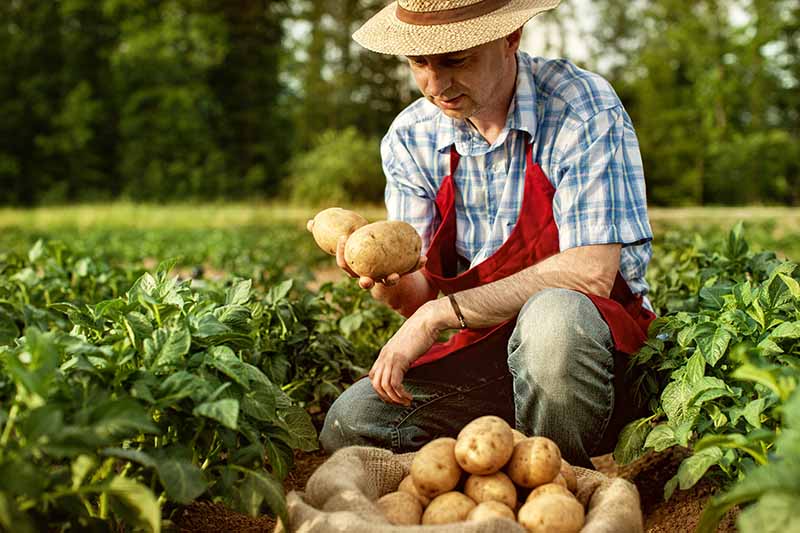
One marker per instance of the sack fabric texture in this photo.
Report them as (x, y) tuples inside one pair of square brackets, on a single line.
[(340, 497)]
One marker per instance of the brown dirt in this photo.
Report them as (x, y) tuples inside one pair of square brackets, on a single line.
[(678, 515)]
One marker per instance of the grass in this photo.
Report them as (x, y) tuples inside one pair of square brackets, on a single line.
[(227, 215)]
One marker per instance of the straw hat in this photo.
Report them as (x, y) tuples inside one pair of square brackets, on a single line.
[(427, 27)]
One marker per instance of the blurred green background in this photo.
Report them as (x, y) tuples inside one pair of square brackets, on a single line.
[(203, 100)]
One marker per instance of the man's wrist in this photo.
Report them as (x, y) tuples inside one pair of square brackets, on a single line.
[(440, 315)]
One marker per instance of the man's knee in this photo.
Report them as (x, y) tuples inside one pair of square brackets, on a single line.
[(354, 420), (553, 328)]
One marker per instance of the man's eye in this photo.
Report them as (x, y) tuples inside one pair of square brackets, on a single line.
[(456, 62)]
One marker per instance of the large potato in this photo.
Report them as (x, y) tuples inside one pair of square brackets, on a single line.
[(333, 223), (494, 487), (484, 445), (382, 248), (552, 513), (489, 510), (448, 508), (400, 508), (407, 485), (535, 461), (434, 468)]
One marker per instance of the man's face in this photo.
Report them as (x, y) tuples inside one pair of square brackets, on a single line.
[(462, 84)]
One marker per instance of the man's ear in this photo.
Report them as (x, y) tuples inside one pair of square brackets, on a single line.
[(513, 39)]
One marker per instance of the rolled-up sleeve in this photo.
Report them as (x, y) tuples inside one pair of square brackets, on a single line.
[(408, 196), (600, 193)]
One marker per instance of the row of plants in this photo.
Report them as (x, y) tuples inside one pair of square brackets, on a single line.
[(720, 369), (125, 394)]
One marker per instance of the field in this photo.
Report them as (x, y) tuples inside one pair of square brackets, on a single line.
[(163, 366)]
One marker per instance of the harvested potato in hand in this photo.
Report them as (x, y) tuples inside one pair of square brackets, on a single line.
[(484, 445), (434, 469), (447, 508), (332, 224), (401, 508), (535, 461), (552, 513), (383, 248)]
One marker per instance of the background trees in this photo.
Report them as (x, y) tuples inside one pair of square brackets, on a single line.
[(190, 99)]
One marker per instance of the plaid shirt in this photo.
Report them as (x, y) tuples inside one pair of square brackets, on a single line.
[(583, 140)]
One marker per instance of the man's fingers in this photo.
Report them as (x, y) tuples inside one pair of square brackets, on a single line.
[(376, 383), (366, 283), (423, 260), (387, 386), (392, 280), (397, 385), (310, 225)]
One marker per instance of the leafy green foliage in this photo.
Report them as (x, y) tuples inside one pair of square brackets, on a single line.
[(721, 360), (122, 389)]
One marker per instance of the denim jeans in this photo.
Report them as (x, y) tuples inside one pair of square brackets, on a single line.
[(557, 379)]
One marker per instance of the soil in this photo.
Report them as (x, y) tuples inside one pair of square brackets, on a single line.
[(678, 515)]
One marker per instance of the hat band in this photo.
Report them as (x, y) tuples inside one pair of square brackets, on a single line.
[(448, 16)]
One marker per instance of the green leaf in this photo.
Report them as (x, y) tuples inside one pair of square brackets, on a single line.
[(630, 445), (166, 347), (136, 503), (299, 425), (694, 467), (660, 438), (139, 325), (81, 467), (226, 411), (120, 418), (774, 513), (752, 411), (261, 487), (787, 330), (129, 454), (695, 368), (239, 292), (715, 346), (792, 284), (183, 480), (677, 402), (223, 359), (8, 328)]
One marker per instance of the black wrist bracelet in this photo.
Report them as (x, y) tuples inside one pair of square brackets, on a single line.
[(457, 311)]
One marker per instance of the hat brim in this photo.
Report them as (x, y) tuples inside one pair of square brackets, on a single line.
[(385, 34)]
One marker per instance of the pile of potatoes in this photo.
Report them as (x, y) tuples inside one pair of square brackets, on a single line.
[(501, 473), (373, 250)]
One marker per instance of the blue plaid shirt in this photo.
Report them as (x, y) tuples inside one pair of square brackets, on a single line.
[(582, 138)]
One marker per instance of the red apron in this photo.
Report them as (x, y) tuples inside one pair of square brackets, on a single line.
[(533, 239)]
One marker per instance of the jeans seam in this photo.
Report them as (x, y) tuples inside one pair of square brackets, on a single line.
[(402, 417)]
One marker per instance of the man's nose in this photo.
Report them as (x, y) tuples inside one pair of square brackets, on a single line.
[(439, 80)]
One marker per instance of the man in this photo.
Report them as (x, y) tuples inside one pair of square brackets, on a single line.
[(524, 179)]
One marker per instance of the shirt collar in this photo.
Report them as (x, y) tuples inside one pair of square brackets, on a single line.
[(521, 117)]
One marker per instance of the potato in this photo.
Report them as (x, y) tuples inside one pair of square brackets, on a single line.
[(434, 468), (407, 485), (484, 445), (569, 476), (489, 510), (333, 223), (494, 487), (382, 248), (552, 513), (518, 436), (549, 488), (535, 461), (400, 508), (447, 508)]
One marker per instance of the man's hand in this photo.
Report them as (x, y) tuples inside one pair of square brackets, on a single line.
[(412, 340)]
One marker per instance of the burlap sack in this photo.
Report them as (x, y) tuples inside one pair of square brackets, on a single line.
[(340, 497)]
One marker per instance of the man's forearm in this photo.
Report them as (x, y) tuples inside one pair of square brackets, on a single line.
[(590, 269), (408, 295)]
